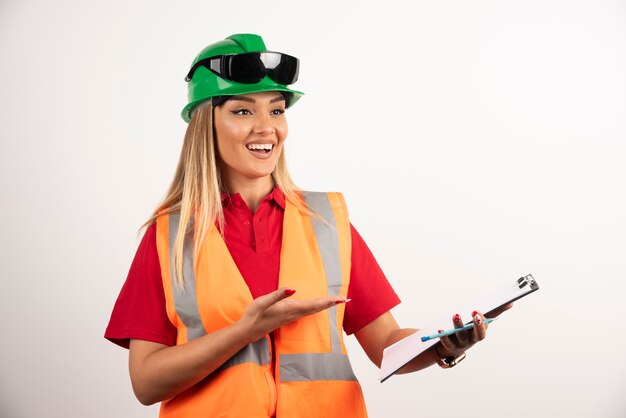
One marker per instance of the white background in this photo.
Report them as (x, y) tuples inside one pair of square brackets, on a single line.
[(475, 142)]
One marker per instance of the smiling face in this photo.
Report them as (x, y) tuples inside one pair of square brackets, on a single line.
[(250, 131)]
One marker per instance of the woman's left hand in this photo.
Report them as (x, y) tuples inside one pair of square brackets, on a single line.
[(457, 344)]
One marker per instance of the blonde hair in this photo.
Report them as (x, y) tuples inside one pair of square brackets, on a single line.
[(195, 192)]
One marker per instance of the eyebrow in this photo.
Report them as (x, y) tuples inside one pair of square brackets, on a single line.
[(249, 100)]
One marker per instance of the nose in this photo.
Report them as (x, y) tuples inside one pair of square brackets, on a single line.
[(264, 125)]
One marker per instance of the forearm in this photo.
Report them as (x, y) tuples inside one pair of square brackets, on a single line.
[(425, 359), (165, 372), (159, 372), (383, 332)]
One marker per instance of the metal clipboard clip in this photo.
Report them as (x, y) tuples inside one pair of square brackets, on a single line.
[(527, 280)]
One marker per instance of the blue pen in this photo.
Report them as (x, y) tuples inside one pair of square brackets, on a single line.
[(455, 330)]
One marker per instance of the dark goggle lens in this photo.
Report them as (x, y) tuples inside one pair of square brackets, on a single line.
[(286, 72), (252, 67), (244, 68)]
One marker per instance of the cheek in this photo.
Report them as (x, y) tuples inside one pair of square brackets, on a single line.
[(282, 130), (229, 136)]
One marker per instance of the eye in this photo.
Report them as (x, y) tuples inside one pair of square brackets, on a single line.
[(241, 112), (277, 112)]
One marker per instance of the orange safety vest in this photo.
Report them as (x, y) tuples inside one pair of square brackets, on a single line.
[(312, 376)]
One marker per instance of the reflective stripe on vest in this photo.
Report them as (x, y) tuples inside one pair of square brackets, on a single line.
[(322, 366), (315, 366), (328, 243), (257, 352), (185, 298)]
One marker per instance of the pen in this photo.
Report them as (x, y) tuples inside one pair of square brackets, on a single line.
[(455, 330)]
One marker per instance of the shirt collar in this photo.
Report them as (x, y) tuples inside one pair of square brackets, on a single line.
[(276, 195)]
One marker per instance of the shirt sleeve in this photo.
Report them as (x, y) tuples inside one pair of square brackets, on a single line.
[(369, 289), (139, 311)]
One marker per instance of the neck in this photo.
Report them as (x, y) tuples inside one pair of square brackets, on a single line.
[(252, 191)]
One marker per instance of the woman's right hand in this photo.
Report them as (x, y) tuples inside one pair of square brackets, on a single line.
[(271, 311)]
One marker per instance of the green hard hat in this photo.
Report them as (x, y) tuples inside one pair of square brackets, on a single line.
[(205, 84)]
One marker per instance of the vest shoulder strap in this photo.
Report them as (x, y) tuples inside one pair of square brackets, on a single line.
[(327, 205)]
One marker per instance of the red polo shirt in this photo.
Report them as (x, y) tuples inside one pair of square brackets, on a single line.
[(254, 241)]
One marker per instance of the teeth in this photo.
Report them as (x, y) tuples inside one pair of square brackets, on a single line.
[(260, 146)]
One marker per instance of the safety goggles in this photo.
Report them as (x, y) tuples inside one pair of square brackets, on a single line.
[(251, 67)]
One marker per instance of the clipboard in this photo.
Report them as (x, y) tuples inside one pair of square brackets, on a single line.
[(400, 353)]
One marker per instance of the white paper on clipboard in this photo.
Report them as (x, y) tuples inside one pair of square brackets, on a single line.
[(397, 355)]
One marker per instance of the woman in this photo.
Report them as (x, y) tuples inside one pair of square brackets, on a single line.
[(237, 297)]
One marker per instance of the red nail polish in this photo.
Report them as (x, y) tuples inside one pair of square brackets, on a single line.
[(290, 292), (457, 318), (440, 331), (474, 313)]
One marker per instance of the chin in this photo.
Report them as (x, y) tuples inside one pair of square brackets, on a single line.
[(259, 174)]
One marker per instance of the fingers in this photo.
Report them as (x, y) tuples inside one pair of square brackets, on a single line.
[(462, 337), (271, 311), (287, 311), (274, 297), (459, 342), (310, 306), (480, 328)]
